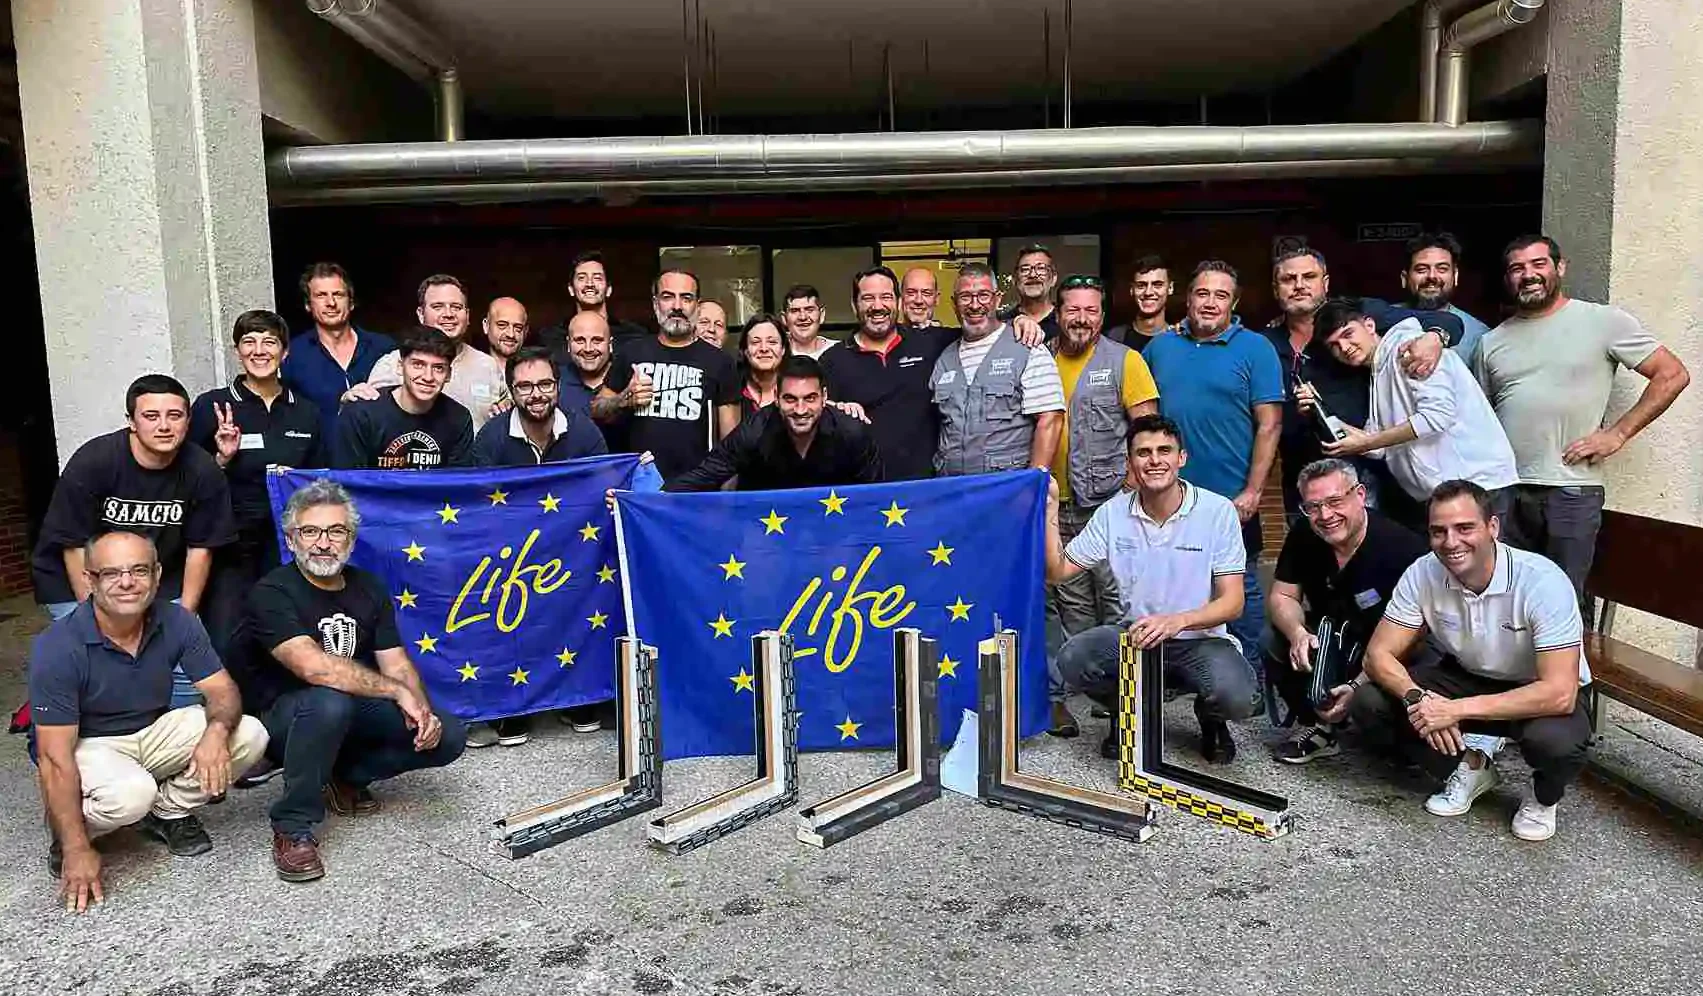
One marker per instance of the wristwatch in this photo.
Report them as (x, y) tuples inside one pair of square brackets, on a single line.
[(1413, 696)]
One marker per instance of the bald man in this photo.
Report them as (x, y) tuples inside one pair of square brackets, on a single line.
[(587, 363), (710, 321), (505, 327), (918, 295)]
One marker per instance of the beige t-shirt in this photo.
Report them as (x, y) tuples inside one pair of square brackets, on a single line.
[(476, 380), (1549, 379)]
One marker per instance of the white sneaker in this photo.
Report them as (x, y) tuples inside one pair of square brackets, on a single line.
[(1463, 787), (1534, 821)]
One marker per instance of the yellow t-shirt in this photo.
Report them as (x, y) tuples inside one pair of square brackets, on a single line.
[(1138, 386)]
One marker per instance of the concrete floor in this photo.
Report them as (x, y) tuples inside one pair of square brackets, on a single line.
[(1368, 895)]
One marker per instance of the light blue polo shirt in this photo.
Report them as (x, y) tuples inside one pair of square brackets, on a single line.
[(1209, 389)]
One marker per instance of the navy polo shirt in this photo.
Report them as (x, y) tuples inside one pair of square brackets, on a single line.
[(1209, 387), (503, 443), (286, 434), (312, 371), (78, 677)]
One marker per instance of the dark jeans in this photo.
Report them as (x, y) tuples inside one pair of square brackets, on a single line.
[(1561, 524), (1247, 627), (1223, 685), (1554, 746), (320, 733)]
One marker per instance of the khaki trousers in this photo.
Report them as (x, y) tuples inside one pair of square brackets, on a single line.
[(127, 777)]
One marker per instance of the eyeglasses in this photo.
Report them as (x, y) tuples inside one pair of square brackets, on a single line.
[(1035, 269), (1335, 503), (336, 534), (1076, 280), (976, 297), (527, 388), (110, 575)]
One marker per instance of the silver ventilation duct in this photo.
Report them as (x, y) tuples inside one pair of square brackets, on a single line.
[(1449, 66), (396, 37)]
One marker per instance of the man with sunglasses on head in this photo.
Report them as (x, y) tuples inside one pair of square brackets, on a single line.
[(1106, 387), (322, 664), (1001, 404)]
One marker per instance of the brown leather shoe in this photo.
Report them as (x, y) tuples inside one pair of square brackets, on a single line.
[(296, 857), (348, 800)]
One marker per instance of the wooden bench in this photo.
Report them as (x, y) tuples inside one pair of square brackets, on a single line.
[(1651, 565)]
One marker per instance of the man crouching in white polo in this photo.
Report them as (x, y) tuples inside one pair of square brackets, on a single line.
[(1507, 622)]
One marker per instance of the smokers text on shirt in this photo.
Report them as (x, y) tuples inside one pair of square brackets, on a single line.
[(679, 391)]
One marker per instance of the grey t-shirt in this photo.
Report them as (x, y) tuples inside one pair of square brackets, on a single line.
[(1549, 379)]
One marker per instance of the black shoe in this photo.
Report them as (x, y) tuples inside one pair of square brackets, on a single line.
[(1216, 744), (55, 857), (264, 770), (1109, 746), (1308, 745), (1063, 723), (183, 837), (512, 732), (583, 719)]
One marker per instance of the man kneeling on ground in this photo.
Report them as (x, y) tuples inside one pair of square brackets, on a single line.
[(1508, 624), (1177, 555), (112, 752), (324, 667)]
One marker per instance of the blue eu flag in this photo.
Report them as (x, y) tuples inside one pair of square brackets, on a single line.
[(838, 569), (505, 581)]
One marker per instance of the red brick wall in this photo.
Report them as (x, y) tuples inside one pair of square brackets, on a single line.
[(14, 521)]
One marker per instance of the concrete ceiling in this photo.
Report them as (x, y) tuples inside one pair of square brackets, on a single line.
[(522, 58)]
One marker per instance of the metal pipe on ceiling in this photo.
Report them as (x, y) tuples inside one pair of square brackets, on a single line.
[(624, 191), (1473, 28), (1430, 43), (452, 115), (390, 33), (1066, 68), (1034, 152)]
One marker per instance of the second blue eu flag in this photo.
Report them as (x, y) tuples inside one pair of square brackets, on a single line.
[(838, 569)]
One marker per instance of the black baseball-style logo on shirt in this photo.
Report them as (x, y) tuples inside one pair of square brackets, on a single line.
[(414, 450), (136, 512)]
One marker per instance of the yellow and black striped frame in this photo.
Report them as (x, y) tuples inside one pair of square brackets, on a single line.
[(1143, 770)]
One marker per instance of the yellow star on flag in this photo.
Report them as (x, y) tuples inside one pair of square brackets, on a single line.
[(469, 671), (428, 644), (834, 504), (414, 551), (566, 657), (605, 574), (942, 554), (744, 681), (960, 609), (499, 497), (722, 625), (734, 568), (550, 502), (848, 729), (895, 515), (406, 600), (773, 523), (948, 666), (448, 514), (588, 533), (519, 676), (597, 620)]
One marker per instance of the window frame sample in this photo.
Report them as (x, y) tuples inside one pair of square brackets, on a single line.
[(1143, 770), (637, 787), (916, 778), (775, 784), (1003, 784)]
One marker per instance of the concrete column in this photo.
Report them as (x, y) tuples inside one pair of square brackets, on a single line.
[(1623, 193), (147, 193)]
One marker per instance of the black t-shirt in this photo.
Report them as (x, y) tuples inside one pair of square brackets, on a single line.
[(893, 389), (102, 488), (1356, 592), (691, 381), (379, 435), (355, 622)]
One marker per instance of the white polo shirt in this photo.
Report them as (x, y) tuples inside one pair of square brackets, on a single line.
[(1458, 434), (1528, 607), (1164, 567)]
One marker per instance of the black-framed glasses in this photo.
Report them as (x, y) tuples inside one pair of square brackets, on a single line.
[(111, 575), (336, 534), (526, 389), (1077, 280)]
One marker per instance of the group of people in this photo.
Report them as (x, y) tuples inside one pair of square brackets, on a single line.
[(1392, 422)]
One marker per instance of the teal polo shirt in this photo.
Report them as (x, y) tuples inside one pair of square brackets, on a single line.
[(1209, 387)]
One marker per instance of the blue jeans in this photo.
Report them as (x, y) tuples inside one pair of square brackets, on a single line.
[(320, 733), (183, 691), (1209, 667), (1250, 625)]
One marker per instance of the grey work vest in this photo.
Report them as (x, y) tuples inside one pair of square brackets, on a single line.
[(1099, 426), (982, 425)]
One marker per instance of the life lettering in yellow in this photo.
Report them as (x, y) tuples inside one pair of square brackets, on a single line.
[(517, 585), (886, 608)]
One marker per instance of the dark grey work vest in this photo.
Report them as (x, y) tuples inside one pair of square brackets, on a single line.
[(982, 425), (1099, 426)]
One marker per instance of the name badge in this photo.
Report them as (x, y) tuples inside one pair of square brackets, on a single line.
[(1000, 367), (252, 441), (481, 391), (1366, 599), (946, 378), (1099, 378)]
